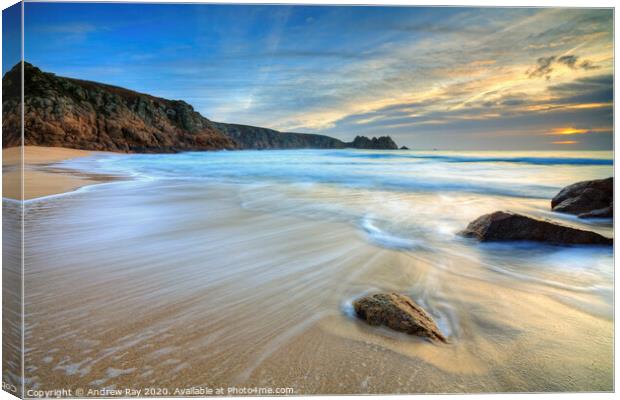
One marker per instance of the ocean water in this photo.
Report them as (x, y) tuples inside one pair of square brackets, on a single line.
[(515, 174), (396, 199), (239, 268)]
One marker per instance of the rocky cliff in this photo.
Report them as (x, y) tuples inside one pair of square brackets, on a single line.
[(66, 112), (383, 142), (253, 137), (93, 116)]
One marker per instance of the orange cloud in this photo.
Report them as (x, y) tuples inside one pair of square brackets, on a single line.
[(590, 105), (565, 142), (568, 131), (577, 131)]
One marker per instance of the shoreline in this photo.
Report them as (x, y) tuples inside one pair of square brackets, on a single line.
[(42, 176)]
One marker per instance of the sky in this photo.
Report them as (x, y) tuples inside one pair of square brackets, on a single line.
[(11, 36), (445, 78)]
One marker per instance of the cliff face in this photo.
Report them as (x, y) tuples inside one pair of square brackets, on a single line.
[(66, 112), (92, 116), (252, 137)]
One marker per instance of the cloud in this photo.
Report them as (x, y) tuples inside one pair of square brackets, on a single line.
[(542, 68), (587, 65), (568, 60), (432, 27), (301, 54), (568, 131), (513, 102), (74, 28), (471, 129), (544, 65), (571, 62), (588, 90), (453, 72), (565, 142)]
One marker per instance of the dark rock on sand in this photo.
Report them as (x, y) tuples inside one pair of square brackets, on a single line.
[(505, 226), (586, 199), (404, 148), (397, 312)]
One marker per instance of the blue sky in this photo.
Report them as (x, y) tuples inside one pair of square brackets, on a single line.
[(449, 78), (11, 36)]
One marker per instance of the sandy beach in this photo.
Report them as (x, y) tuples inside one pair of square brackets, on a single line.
[(41, 176), (188, 282)]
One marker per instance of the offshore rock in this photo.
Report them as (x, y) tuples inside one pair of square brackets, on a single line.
[(381, 143)]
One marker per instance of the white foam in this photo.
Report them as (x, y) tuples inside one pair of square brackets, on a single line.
[(385, 239)]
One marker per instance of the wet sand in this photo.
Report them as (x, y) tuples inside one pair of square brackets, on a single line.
[(177, 284), (12, 346), (42, 176)]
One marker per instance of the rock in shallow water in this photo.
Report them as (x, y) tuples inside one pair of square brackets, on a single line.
[(505, 226), (397, 312), (583, 198), (607, 212)]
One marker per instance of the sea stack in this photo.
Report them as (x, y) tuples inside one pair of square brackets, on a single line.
[(381, 143)]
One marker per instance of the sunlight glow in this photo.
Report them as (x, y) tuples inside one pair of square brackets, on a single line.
[(568, 131), (566, 142)]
